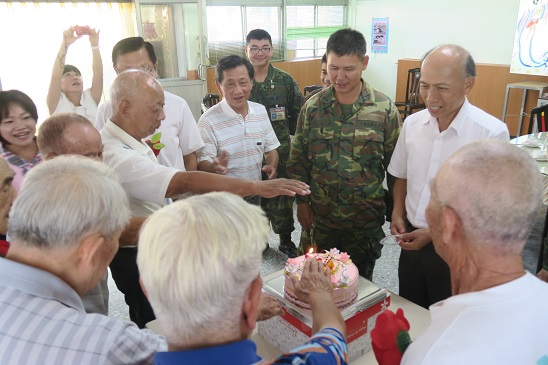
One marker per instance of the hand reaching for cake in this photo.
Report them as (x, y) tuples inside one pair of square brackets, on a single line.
[(315, 289), (315, 280), (268, 308)]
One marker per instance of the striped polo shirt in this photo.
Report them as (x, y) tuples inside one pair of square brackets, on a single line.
[(245, 139), (43, 321)]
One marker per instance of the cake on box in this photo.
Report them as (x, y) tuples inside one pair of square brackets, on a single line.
[(295, 327), (344, 276)]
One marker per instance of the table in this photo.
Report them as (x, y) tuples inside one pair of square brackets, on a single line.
[(525, 86), (418, 317), (542, 165), (543, 168)]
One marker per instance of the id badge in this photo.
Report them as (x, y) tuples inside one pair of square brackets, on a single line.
[(277, 113)]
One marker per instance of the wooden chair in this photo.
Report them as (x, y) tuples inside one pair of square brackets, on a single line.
[(539, 116), (310, 89), (208, 101), (412, 97)]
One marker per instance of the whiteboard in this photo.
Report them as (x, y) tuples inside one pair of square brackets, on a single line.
[(530, 54)]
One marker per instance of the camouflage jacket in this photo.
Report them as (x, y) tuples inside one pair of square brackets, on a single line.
[(279, 89), (344, 160)]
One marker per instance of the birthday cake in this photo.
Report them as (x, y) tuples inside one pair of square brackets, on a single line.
[(344, 276)]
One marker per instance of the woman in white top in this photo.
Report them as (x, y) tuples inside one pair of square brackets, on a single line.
[(66, 90)]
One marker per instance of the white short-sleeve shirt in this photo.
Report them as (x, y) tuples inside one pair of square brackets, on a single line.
[(421, 150), (142, 177), (180, 133), (245, 140), (87, 107), (503, 325)]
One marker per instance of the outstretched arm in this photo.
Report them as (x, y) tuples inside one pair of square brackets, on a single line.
[(199, 182), (97, 66), (54, 91)]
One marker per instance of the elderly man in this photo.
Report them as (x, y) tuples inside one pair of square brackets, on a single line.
[(483, 204), (179, 132), (237, 133), (344, 141), (279, 93), (64, 230), (427, 139), (214, 243), (72, 134), (137, 101), (7, 194)]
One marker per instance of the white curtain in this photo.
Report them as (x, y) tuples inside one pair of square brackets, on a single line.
[(31, 33)]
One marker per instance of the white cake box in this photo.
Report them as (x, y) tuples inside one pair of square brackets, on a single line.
[(294, 328)]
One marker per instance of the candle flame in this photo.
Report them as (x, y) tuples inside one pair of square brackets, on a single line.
[(311, 250)]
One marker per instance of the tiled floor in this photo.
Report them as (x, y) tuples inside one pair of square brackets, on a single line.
[(385, 274)]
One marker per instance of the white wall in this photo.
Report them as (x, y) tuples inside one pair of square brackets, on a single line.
[(484, 27)]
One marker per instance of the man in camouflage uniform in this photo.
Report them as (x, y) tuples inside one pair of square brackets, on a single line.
[(345, 138), (278, 92)]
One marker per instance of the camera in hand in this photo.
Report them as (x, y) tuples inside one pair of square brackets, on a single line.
[(82, 30)]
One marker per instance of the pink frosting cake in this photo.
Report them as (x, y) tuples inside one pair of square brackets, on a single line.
[(344, 276)]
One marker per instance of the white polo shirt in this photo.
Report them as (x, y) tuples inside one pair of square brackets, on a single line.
[(180, 134), (245, 140), (421, 150), (142, 177)]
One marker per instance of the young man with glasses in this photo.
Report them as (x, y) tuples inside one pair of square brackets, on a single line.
[(279, 93)]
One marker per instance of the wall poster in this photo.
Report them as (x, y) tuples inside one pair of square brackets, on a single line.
[(379, 35), (530, 55)]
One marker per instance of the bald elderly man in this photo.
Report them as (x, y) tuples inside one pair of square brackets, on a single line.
[(72, 134), (482, 207), (137, 102), (427, 139)]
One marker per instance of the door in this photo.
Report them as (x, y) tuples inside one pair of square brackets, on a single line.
[(176, 30)]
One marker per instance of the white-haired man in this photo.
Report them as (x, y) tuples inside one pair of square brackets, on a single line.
[(483, 204), (138, 101), (64, 228), (207, 310)]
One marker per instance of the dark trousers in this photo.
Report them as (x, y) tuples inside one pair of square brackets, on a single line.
[(126, 276), (423, 275), (362, 244)]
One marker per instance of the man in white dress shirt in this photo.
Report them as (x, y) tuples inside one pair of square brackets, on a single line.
[(237, 133), (483, 205), (137, 101), (426, 140), (180, 134)]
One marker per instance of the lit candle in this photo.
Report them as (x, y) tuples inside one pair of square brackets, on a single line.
[(309, 253)]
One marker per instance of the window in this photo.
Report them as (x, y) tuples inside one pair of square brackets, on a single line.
[(299, 29)]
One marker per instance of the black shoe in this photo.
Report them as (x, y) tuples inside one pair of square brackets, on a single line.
[(287, 246)]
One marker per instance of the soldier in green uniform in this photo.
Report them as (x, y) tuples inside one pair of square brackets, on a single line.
[(345, 138), (278, 92)]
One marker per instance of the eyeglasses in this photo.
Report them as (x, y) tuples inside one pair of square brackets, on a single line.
[(150, 71), (264, 50)]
